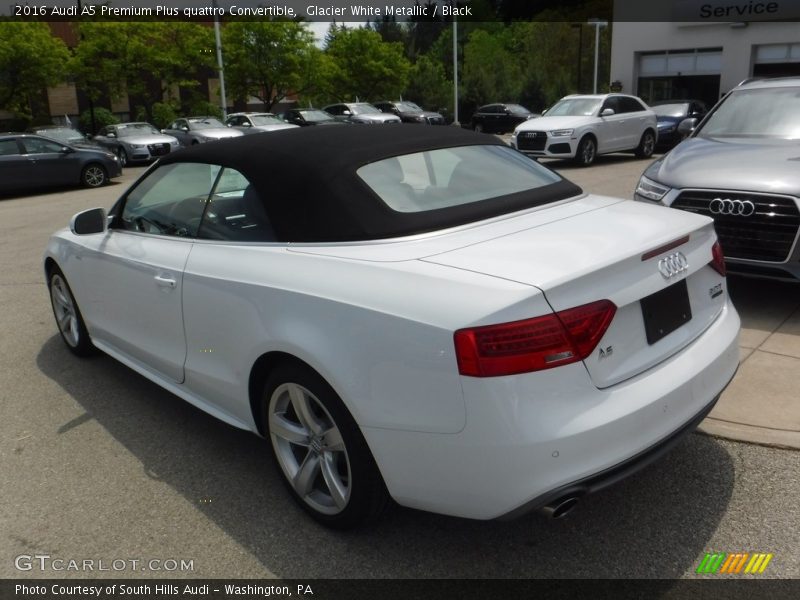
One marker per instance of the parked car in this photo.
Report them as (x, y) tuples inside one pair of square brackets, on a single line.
[(410, 112), (198, 130), (360, 112), (499, 118), (305, 117), (135, 142), (69, 136), (254, 122), (33, 161), (670, 113), (581, 127), (406, 312), (740, 167)]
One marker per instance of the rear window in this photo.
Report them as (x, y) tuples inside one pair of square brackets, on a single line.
[(452, 177)]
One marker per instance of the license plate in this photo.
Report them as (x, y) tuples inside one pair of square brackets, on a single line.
[(665, 311)]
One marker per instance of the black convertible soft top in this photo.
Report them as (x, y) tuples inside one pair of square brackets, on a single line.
[(308, 182)]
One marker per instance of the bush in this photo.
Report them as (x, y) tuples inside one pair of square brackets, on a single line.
[(204, 108), (163, 114), (102, 117)]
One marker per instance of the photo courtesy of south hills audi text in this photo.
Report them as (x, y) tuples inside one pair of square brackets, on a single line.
[(121, 590)]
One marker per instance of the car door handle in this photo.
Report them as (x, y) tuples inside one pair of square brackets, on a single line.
[(165, 281)]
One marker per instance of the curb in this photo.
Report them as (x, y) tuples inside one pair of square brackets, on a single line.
[(772, 438)]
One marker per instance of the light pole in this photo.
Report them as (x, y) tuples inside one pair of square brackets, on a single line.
[(455, 72), (597, 25), (220, 66)]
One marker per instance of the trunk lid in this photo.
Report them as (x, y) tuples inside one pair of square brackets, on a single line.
[(597, 255)]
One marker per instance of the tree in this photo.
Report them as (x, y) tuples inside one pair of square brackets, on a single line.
[(364, 66), (429, 86), (144, 60), (270, 60), (31, 59), (492, 70)]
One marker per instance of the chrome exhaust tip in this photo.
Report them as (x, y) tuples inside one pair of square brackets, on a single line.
[(560, 508)]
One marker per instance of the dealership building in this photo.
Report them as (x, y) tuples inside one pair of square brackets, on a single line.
[(702, 59)]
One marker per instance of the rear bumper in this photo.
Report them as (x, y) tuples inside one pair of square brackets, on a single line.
[(615, 474), (530, 439)]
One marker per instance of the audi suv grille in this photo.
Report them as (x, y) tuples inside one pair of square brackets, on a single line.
[(531, 140), (750, 226)]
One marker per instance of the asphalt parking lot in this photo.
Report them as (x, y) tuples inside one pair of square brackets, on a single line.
[(98, 463)]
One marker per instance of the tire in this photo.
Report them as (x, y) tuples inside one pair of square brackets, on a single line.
[(93, 176), (647, 145), (68, 316), (587, 151), (123, 156), (478, 128), (319, 449)]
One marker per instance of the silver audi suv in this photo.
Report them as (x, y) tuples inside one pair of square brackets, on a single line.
[(741, 166)]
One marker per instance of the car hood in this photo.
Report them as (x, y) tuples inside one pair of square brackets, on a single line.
[(549, 123), (380, 118), (219, 132), (424, 113), (275, 127), (149, 138), (731, 164)]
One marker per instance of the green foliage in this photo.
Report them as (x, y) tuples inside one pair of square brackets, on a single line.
[(429, 86), (204, 108), (363, 65), (143, 59), (102, 117), (492, 71), (270, 60), (31, 59), (163, 114)]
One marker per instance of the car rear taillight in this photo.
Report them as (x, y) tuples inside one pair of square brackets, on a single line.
[(534, 344), (717, 259)]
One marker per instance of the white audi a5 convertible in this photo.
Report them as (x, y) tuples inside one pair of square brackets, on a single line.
[(418, 314)]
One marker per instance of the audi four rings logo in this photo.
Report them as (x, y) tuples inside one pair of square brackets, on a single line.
[(726, 206), (672, 265)]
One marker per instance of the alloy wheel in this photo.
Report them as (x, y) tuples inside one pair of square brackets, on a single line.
[(310, 449), (64, 308)]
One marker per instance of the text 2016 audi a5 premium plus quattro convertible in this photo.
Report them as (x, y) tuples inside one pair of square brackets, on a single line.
[(422, 314)]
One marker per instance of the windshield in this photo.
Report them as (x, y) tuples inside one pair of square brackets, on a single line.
[(450, 177), (209, 123), (62, 134), (265, 120), (135, 129), (763, 113), (315, 115), (363, 109), (671, 110), (407, 107), (575, 107), (516, 109)]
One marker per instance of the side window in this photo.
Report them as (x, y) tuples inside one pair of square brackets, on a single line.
[(630, 105), (612, 103), (8, 147), (336, 110), (39, 146), (236, 212), (171, 200)]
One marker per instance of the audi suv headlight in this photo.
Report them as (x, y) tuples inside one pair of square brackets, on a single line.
[(650, 190), (561, 132), (138, 145)]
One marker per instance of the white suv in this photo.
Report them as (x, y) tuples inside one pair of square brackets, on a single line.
[(581, 127)]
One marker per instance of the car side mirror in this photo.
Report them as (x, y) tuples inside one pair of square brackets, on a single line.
[(111, 134), (89, 221), (607, 112), (346, 113), (66, 150), (247, 124), (185, 129), (687, 126)]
